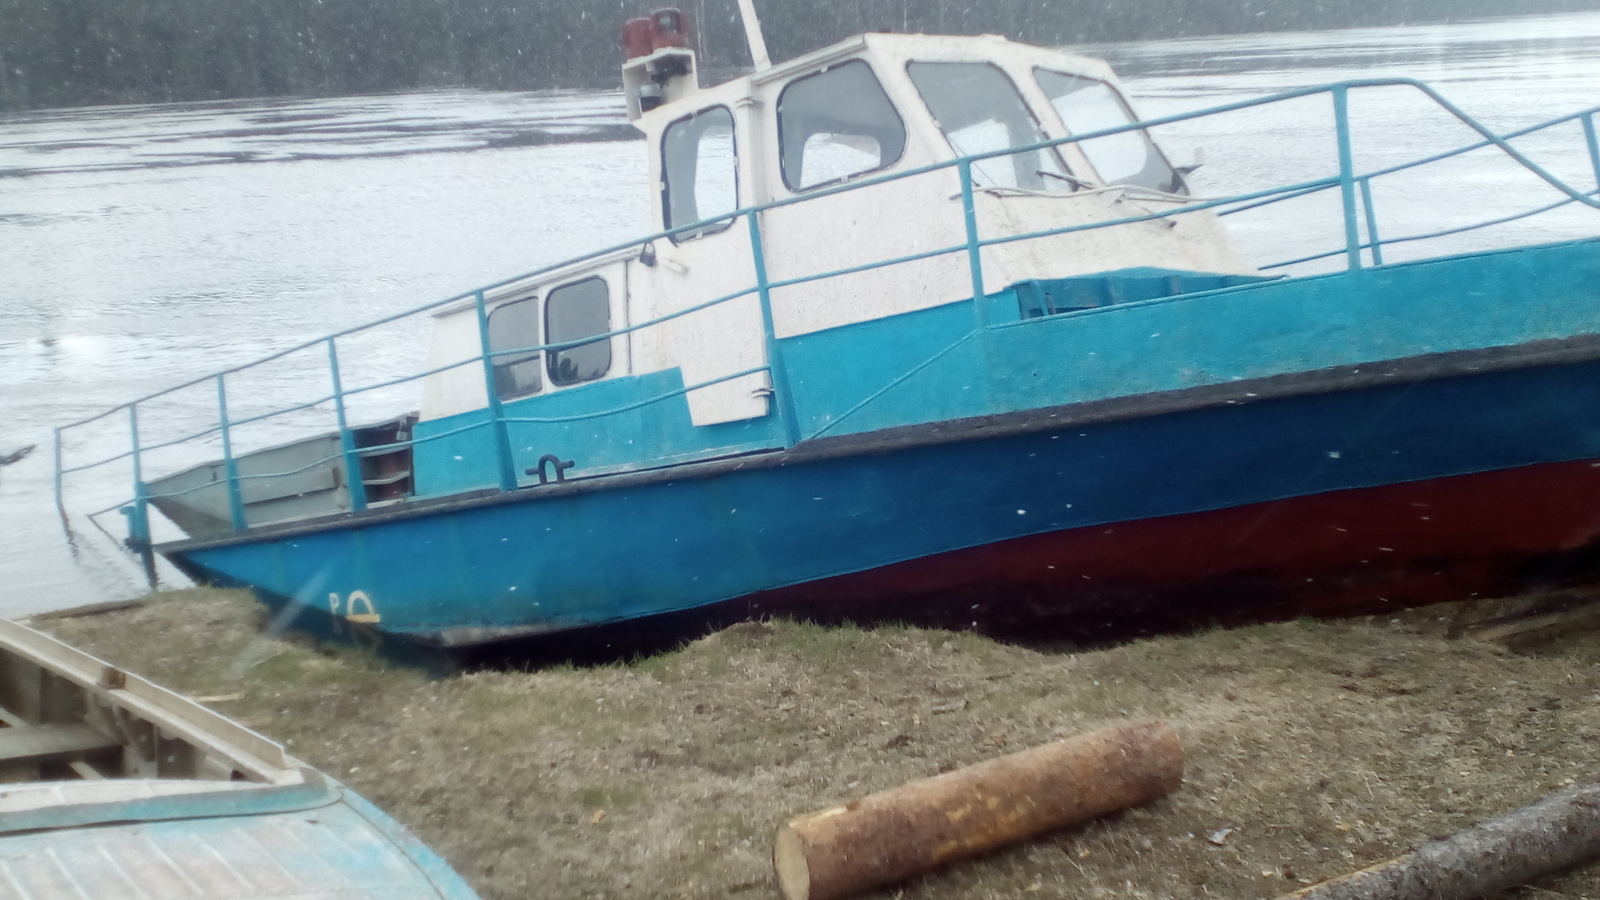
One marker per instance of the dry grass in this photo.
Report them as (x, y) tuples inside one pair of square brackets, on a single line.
[(1313, 747)]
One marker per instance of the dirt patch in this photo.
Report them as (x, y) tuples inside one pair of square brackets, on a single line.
[(1313, 747)]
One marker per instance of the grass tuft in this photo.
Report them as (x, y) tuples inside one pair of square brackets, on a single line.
[(1316, 747)]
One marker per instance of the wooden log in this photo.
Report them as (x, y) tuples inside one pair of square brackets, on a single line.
[(1536, 624), (892, 835), (1556, 833)]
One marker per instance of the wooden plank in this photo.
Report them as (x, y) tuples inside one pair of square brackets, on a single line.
[(88, 609), (207, 730), (38, 742), (85, 771), (1558, 832), (1526, 625)]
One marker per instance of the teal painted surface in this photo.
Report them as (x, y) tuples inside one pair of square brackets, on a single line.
[(233, 800), (449, 884), (1058, 295), (832, 372), (319, 841), (931, 366), (547, 561), (1188, 340), (1394, 312), (654, 434)]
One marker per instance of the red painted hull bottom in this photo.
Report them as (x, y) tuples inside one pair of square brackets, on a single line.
[(1355, 551)]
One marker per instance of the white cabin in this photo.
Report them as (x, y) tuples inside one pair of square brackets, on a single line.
[(869, 107)]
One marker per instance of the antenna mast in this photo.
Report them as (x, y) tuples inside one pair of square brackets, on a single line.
[(752, 34)]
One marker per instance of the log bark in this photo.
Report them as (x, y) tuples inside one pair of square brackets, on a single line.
[(1556, 833), (892, 835)]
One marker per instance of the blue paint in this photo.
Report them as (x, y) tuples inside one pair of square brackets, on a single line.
[(1201, 337), (969, 219), (256, 841), (650, 436), (258, 800), (1373, 241), (1590, 138), (1297, 325), (612, 554), (347, 441), (1048, 297), (607, 554), (229, 464), (505, 464), (442, 878), (833, 371), (1347, 179), (777, 367)]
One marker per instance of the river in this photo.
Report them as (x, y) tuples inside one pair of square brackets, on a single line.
[(141, 246)]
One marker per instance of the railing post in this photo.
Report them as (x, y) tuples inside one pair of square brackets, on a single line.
[(1594, 146), (506, 469), (229, 466), (1347, 183), (61, 505), (776, 368), (347, 441), (139, 513), (969, 212), (1372, 222)]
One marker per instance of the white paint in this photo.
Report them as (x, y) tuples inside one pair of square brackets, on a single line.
[(357, 608), (900, 218), (752, 34), (456, 338)]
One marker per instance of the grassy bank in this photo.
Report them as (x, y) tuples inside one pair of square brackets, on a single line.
[(1313, 747)]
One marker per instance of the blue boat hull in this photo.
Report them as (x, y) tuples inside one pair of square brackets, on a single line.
[(898, 502)]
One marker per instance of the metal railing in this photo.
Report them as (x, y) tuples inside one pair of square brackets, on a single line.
[(1356, 200)]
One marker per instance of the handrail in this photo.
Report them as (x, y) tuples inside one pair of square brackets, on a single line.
[(471, 426), (1359, 214), (1491, 139), (1434, 234)]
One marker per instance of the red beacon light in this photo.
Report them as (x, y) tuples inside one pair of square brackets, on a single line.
[(659, 30), (657, 51)]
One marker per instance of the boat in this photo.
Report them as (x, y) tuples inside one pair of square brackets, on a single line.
[(115, 787), (934, 324)]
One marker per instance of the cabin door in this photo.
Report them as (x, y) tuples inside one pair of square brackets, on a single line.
[(699, 167)]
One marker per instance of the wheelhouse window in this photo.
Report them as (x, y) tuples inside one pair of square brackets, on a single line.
[(699, 172), (835, 125), (1087, 105), (515, 326), (979, 110), (573, 312)]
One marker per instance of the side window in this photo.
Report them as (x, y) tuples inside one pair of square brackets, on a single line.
[(699, 171), (835, 125), (1087, 105), (979, 110), (573, 312), (515, 326)]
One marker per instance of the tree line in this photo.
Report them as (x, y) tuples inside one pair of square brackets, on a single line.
[(78, 52)]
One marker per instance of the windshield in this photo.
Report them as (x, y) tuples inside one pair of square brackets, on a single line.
[(980, 111), (700, 172), (835, 125), (1087, 105)]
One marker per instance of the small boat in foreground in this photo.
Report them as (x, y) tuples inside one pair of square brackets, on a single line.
[(933, 322), (114, 787)]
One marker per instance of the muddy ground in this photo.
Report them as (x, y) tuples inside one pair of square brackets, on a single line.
[(1313, 747)]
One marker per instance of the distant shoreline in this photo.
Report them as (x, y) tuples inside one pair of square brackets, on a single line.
[(103, 52)]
